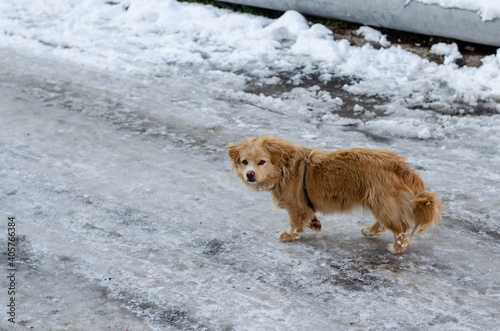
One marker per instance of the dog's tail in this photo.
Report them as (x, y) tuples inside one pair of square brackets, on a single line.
[(427, 212)]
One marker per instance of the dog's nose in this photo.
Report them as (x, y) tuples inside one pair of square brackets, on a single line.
[(251, 176)]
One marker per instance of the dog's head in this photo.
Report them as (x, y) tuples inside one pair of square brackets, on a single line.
[(256, 160)]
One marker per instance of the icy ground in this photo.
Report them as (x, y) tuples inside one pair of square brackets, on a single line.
[(114, 124)]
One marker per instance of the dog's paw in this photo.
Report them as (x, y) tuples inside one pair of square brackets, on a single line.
[(366, 232), (395, 249), (399, 245), (315, 225), (285, 236)]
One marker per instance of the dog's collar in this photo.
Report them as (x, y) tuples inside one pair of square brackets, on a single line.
[(304, 186)]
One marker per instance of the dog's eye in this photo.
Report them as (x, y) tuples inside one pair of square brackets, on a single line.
[(262, 162), (245, 162)]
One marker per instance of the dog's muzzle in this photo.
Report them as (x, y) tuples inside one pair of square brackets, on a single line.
[(251, 176)]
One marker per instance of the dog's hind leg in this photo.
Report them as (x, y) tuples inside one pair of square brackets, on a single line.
[(394, 214), (376, 229), (400, 243)]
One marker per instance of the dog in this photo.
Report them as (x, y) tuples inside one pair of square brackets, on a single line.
[(304, 180)]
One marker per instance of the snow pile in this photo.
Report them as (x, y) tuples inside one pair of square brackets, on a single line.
[(128, 34), (317, 43), (487, 9), (371, 34), (449, 51), (288, 26)]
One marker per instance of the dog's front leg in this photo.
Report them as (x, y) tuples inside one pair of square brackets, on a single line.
[(297, 220)]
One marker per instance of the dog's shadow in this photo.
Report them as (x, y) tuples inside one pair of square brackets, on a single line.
[(366, 253)]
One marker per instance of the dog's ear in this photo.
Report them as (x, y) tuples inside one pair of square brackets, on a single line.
[(275, 147), (234, 153)]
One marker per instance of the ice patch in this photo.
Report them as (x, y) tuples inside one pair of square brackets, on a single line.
[(410, 128)]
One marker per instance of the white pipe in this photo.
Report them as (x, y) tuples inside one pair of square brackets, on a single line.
[(405, 15)]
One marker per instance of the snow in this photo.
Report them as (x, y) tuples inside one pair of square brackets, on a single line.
[(449, 51), (216, 39), (288, 26), (488, 10), (376, 36), (115, 120)]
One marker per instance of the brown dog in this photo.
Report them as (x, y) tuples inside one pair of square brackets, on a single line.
[(304, 180)]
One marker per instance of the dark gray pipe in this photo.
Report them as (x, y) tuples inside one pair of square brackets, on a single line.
[(415, 16)]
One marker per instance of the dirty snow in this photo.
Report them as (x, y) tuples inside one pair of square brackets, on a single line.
[(115, 117)]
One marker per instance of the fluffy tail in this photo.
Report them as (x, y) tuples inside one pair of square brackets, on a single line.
[(427, 212)]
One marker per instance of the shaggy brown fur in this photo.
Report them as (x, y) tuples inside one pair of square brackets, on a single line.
[(304, 180)]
